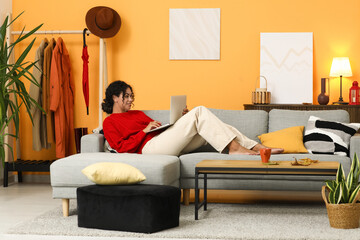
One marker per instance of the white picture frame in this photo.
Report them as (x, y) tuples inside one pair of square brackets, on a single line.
[(194, 34), (286, 60)]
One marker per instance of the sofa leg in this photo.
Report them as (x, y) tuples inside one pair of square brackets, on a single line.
[(186, 196), (65, 206)]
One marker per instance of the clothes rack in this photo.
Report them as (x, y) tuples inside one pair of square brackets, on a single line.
[(54, 32), (44, 165)]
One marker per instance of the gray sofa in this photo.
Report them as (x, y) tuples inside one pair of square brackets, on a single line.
[(179, 171)]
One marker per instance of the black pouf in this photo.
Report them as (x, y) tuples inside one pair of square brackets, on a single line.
[(134, 208)]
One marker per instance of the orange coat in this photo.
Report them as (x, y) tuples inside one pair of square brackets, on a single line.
[(62, 99), (46, 91)]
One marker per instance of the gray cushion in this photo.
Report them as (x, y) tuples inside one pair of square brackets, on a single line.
[(162, 116), (251, 123), (280, 119), (158, 169)]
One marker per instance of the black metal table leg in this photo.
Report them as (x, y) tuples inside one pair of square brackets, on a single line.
[(205, 192), (196, 193)]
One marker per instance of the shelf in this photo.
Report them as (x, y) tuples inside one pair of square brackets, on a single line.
[(353, 110), (25, 166)]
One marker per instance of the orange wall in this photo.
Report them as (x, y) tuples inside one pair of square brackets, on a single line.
[(139, 53)]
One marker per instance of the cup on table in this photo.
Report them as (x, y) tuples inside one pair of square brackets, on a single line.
[(265, 154)]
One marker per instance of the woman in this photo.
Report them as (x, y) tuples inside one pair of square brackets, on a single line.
[(128, 130)]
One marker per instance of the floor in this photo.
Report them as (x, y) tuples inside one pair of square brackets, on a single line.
[(24, 201)]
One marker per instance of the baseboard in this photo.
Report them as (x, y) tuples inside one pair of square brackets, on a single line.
[(34, 178)]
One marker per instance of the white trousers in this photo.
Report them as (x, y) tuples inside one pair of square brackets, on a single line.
[(193, 130)]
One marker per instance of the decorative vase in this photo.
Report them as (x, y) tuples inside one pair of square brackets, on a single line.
[(323, 99)]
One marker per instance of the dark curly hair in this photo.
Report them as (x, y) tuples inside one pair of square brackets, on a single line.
[(115, 88)]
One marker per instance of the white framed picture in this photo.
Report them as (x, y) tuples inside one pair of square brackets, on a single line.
[(194, 34), (286, 60)]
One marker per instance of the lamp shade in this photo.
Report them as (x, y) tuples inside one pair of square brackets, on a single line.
[(340, 67)]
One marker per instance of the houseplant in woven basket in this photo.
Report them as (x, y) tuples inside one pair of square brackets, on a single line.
[(341, 203), (13, 93)]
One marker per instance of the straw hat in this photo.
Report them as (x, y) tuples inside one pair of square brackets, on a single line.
[(103, 22)]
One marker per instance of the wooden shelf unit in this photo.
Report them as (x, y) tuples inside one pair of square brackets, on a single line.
[(353, 110)]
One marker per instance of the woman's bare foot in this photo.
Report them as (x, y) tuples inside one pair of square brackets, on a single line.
[(244, 152), (235, 148), (273, 150), (277, 150)]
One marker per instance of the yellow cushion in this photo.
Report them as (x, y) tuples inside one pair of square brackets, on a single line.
[(109, 173), (290, 139)]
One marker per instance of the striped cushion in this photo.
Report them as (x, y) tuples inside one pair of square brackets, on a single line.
[(328, 137)]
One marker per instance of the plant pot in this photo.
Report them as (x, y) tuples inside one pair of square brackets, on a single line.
[(345, 215)]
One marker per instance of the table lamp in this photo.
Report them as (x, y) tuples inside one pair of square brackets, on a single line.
[(340, 67)]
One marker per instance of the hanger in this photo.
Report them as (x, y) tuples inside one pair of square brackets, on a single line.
[(84, 32)]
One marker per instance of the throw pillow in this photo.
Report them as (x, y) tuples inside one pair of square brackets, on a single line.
[(290, 139), (109, 173), (328, 137)]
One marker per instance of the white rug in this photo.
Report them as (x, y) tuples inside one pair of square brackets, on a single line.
[(220, 221)]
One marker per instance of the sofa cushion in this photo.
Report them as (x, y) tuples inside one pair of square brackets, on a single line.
[(240, 119), (110, 173), (280, 119), (251, 123), (290, 139), (162, 116), (158, 169), (328, 137)]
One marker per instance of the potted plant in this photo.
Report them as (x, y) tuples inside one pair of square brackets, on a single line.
[(341, 203), (13, 93)]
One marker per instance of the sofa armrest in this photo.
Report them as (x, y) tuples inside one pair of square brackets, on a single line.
[(355, 145), (92, 143)]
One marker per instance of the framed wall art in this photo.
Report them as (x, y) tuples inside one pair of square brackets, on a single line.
[(194, 34), (286, 60)]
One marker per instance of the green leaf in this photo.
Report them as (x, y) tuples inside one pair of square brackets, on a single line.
[(345, 193), (332, 197), (338, 194), (354, 193), (13, 93), (331, 184), (350, 180), (340, 175), (355, 165)]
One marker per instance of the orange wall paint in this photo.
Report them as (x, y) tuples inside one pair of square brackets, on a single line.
[(139, 53)]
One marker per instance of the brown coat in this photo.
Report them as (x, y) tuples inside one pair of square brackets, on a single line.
[(39, 127), (62, 99), (46, 91)]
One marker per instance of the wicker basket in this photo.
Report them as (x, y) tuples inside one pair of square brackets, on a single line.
[(345, 216), (261, 95)]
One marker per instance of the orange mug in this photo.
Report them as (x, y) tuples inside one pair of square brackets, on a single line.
[(265, 154)]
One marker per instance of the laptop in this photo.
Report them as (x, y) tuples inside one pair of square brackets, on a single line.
[(177, 105)]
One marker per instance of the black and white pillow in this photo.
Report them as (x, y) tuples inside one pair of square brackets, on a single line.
[(328, 137)]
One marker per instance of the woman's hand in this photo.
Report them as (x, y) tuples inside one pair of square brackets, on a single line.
[(185, 111), (153, 124)]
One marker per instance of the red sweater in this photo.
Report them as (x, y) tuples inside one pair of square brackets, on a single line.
[(124, 132)]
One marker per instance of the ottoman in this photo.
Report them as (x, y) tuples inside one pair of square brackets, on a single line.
[(141, 208)]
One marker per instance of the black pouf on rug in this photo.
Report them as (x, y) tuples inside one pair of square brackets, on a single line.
[(141, 208)]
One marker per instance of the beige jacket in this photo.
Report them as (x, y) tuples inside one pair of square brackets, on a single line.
[(39, 127)]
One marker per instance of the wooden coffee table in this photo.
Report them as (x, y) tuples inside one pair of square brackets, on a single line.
[(255, 167)]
